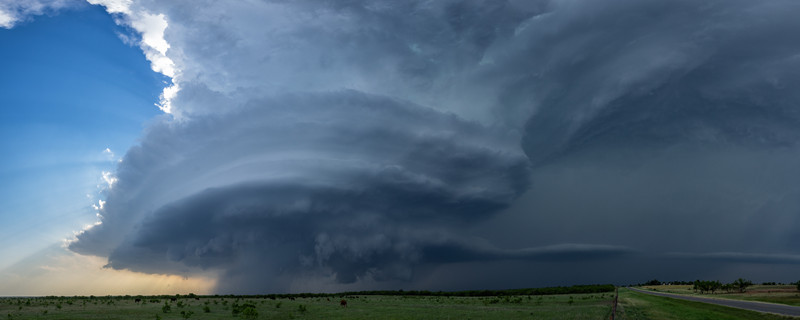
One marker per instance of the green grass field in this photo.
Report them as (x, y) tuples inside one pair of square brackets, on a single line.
[(570, 306), (783, 294), (640, 306)]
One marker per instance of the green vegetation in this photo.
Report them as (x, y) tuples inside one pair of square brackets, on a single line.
[(778, 293), (639, 306), (362, 306), (742, 284), (707, 286)]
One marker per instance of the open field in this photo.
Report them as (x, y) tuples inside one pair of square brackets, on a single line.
[(639, 306), (568, 306), (783, 294)]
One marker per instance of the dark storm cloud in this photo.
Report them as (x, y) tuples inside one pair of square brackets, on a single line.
[(343, 183), (667, 124), (736, 257), (657, 73), (356, 142)]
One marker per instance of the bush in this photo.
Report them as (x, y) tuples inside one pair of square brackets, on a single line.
[(186, 314), (302, 308), (206, 309), (236, 308), (166, 308), (249, 313)]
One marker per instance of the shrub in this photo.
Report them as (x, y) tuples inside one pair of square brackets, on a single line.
[(206, 309), (302, 308), (186, 314), (166, 308), (249, 313), (236, 308)]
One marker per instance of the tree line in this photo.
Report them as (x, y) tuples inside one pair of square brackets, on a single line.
[(592, 288), (576, 289), (739, 285), (704, 286)]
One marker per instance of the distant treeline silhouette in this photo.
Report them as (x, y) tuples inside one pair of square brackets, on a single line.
[(591, 288)]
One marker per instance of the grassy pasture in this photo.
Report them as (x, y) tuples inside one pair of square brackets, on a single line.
[(568, 306), (783, 294), (640, 306)]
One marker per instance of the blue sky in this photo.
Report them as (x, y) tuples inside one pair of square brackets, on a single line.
[(71, 88), (295, 146)]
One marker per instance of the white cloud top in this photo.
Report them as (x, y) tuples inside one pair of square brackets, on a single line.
[(114, 6), (151, 27), (13, 11)]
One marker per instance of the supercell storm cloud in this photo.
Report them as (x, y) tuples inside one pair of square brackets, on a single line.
[(351, 142), (343, 181)]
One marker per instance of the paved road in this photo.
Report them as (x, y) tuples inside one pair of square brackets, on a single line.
[(749, 305)]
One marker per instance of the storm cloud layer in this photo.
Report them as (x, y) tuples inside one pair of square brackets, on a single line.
[(353, 142), (343, 180)]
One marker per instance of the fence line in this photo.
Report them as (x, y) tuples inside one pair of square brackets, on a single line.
[(614, 307)]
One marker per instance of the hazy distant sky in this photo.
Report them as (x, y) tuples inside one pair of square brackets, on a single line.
[(284, 146)]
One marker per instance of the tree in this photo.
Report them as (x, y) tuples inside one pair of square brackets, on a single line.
[(742, 284), (704, 286), (715, 285), (653, 282), (728, 287)]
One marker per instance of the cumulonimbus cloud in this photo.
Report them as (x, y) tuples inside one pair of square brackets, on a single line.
[(352, 141), (344, 182)]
